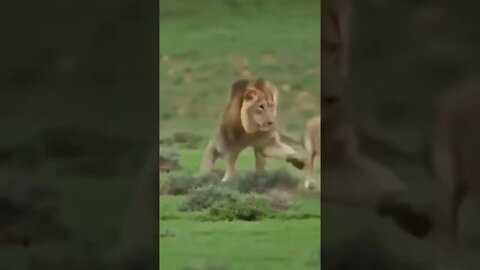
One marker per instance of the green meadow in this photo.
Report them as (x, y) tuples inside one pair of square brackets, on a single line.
[(205, 46)]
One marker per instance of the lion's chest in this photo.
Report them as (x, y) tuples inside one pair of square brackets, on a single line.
[(256, 140), (259, 141)]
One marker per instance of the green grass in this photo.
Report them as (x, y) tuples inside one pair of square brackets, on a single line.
[(290, 241), (206, 46), (270, 244)]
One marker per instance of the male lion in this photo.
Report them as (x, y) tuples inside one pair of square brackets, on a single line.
[(249, 120), (456, 163)]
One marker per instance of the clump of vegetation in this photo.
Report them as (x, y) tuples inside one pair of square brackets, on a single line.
[(224, 203), (208, 179), (206, 196), (183, 183), (246, 207), (263, 181), (186, 137), (169, 161), (279, 200), (177, 184), (251, 182)]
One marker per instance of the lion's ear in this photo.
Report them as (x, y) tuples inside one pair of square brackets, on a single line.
[(250, 95), (239, 87), (260, 83)]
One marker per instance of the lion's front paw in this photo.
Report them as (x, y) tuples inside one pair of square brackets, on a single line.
[(296, 161)]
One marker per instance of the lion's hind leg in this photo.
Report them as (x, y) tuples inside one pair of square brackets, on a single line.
[(209, 158), (309, 168), (309, 163), (231, 165)]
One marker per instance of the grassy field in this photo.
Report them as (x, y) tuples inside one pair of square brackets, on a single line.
[(267, 244), (206, 46)]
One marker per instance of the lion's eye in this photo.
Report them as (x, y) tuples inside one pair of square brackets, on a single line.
[(261, 107)]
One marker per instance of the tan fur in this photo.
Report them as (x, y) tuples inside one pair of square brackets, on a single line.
[(347, 173), (456, 148), (249, 120), (312, 147)]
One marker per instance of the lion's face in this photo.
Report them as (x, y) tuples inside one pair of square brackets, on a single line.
[(264, 115), (258, 110)]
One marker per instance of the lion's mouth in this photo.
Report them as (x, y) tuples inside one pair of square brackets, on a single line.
[(265, 127)]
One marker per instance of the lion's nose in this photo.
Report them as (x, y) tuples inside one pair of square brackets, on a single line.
[(270, 123)]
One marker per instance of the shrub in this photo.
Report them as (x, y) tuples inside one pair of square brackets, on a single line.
[(246, 207), (205, 196), (177, 184), (169, 161), (224, 203), (183, 183), (263, 181), (279, 200), (206, 180)]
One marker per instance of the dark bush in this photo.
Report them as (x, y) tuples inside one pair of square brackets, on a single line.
[(206, 180), (205, 196), (169, 161), (246, 207), (186, 137), (177, 184), (263, 181), (227, 204), (279, 200), (183, 183)]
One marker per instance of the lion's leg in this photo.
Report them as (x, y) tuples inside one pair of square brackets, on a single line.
[(260, 160), (231, 162), (310, 178), (311, 153), (280, 150), (209, 158)]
